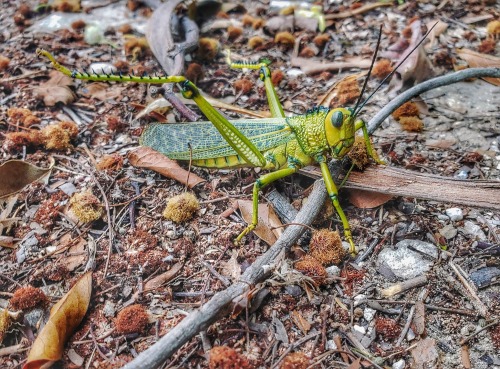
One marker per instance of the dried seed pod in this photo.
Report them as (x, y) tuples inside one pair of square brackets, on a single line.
[(326, 247), (312, 268), (181, 208), (132, 319)]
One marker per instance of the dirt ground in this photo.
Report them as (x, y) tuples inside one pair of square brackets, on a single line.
[(93, 235)]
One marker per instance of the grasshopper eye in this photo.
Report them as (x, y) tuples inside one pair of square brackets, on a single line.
[(337, 119)]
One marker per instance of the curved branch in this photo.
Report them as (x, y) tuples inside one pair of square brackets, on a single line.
[(431, 84)]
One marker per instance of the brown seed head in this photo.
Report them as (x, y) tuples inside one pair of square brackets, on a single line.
[(326, 247), (312, 268), (255, 42), (132, 319), (381, 69), (412, 124), (181, 208), (26, 298), (86, 206), (408, 109), (284, 38), (223, 357), (295, 360), (387, 328)]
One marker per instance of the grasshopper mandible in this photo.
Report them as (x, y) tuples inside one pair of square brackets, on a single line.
[(280, 144)]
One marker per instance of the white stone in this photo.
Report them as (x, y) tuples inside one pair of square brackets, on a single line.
[(359, 329), (333, 271), (455, 214), (400, 364), (369, 314), (473, 230)]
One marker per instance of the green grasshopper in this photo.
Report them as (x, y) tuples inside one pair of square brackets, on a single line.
[(280, 144)]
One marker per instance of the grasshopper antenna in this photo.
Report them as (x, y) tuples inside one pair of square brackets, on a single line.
[(392, 73), (369, 72)]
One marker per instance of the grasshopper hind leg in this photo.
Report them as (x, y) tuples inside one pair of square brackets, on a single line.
[(265, 76), (263, 181)]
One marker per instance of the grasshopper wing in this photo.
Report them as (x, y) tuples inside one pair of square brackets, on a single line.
[(174, 140)]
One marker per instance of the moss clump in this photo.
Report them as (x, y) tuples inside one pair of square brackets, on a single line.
[(284, 38), (181, 208), (86, 206), (326, 247), (208, 48)]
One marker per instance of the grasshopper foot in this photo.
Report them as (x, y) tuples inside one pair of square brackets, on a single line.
[(246, 231)]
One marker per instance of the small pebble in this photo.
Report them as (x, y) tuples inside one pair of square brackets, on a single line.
[(474, 230), (448, 231), (359, 329), (455, 214), (369, 314), (400, 364), (330, 345), (333, 271)]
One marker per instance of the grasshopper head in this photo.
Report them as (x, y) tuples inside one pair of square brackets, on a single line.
[(339, 126)]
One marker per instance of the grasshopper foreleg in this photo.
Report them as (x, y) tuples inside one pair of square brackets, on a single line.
[(263, 181), (360, 124)]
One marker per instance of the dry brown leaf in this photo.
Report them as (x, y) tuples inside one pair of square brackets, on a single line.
[(417, 67), (425, 354), (55, 89), (465, 356), (478, 60), (267, 220), (367, 200), (232, 267), (65, 316), (438, 29), (146, 157), (17, 174), (102, 91), (301, 322), (7, 241), (157, 281)]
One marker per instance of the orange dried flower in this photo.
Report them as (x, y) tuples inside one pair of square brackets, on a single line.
[(321, 39), (247, 20), (78, 24), (284, 38), (277, 76), (412, 124), (295, 360), (382, 68), (4, 62), (312, 268), (86, 206), (255, 42), (110, 162), (487, 46), (223, 357), (132, 319), (408, 109), (208, 48), (307, 52), (234, 32), (243, 85), (348, 91), (326, 247), (387, 328), (194, 72), (26, 298), (258, 23)]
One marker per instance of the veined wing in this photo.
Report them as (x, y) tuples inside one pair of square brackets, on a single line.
[(173, 140)]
